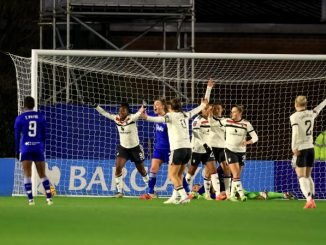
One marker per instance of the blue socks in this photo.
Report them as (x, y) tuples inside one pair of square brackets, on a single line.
[(185, 185), (151, 183), (28, 187), (46, 185)]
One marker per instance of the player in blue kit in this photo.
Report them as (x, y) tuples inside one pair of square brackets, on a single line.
[(30, 127), (161, 151)]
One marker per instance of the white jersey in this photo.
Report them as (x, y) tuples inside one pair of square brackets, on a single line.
[(217, 133), (236, 133), (178, 126), (200, 133), (302, 123), (127, 128)]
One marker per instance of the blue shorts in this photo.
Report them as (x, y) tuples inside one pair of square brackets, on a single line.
[(32, 156), (162, 154)]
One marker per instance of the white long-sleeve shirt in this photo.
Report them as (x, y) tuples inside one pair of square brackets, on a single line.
[(302, 123), (200, 134), (178, 126), (217, 134), (236, 133), (127, 128)]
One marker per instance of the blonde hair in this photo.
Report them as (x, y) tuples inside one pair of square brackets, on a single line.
[(301, 101)]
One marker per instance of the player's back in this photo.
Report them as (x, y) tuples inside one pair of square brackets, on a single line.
[(178, 129), (304, 120), (31, 127)]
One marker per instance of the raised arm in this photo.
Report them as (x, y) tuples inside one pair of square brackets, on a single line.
[(105, 113), (196, 110), (210, 85), (319, 107)]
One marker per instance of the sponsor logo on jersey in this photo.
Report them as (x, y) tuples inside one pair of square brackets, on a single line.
[(159, 128)]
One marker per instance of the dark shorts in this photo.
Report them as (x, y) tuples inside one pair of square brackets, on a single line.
[(234, 157), (32, 156), (135, 154), (180, 156), (219, 154), (203, 158), (306, 158), (162, 154)]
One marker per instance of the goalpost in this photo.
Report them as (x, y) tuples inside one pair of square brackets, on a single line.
[(81, 144)]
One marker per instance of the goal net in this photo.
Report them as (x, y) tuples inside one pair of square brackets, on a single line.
[(81, 144)]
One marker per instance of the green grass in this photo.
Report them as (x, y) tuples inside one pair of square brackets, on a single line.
[(133, 221)]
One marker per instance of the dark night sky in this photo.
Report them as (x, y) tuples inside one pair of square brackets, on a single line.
[(18, 35)]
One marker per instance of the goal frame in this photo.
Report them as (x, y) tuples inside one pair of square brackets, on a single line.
[(150, 54)]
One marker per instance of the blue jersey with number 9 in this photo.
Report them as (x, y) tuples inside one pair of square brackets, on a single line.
[(30, 129)]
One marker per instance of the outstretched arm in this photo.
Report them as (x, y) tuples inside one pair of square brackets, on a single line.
[(136, 116), (104, 113), (198, 109), (156, 119), (319, 107)]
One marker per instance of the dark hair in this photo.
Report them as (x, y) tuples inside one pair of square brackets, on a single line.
[(175, 104), (239, 107), (219, 103), (125, 105), (29, 102)]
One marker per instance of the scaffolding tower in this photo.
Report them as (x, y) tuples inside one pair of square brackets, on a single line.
[(103, 17)]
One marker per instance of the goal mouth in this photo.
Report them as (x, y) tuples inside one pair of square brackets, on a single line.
[(82, 144)]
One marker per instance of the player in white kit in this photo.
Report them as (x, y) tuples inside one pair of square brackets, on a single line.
[(129, 148), (302, 123), (178, 130)]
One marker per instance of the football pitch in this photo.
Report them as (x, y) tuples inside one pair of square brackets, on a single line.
[(133, 221)]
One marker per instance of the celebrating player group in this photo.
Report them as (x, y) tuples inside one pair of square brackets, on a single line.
[(215, 141)]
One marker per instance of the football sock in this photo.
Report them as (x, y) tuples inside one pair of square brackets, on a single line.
[(118, 183), (227, 180), (252, 194), (312, 186), (237, 186), (182, 192), (185, 185), (151, 183), (304, 186), (207, 185), (215, 183), (46, 184), (28, 187), (188, 178), (146, 178), (272, 195), (175, 194)]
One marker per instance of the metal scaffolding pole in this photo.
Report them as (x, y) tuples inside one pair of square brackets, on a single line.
[(68, 47), (193, 20)]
